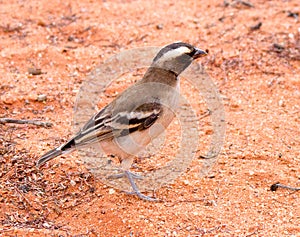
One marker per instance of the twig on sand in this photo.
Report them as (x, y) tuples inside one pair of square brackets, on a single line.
[(275, 186), (25, 121)]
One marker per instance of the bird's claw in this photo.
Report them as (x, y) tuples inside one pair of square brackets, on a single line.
[(142, 196)]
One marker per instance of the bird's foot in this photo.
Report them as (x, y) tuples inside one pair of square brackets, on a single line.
[(121, 175), (136, 191), (131, 177)]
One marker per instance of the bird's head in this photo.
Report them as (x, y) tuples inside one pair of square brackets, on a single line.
[(176, 57)]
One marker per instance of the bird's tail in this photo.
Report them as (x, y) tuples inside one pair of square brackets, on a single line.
[(63, 149)]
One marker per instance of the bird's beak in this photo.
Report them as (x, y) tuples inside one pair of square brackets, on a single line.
[(200, 53)]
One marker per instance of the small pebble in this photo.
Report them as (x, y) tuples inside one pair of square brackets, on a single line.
[(34, 71), (281, 103), (159, 26), (41, 98)]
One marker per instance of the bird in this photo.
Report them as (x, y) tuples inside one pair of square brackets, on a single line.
[(125, 126)]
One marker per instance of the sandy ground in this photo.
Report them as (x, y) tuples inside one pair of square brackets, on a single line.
[(50, 47)]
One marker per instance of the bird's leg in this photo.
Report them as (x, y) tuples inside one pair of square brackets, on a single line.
[(126, 164), (136, 191)]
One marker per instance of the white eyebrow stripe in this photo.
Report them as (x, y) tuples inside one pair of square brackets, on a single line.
[(173, 53)]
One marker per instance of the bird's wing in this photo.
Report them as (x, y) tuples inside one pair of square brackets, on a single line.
[(107, 124)]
